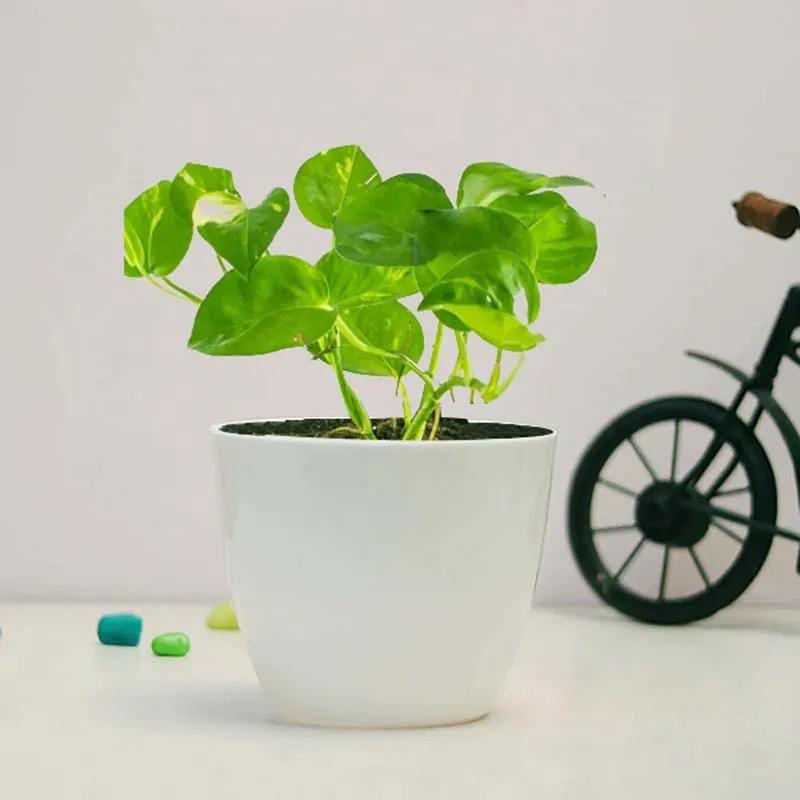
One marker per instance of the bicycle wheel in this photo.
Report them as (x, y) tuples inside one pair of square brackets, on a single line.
[(620, 512)]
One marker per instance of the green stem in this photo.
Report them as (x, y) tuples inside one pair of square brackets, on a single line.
[(221, 264), (361, 345), (354, 406), (463, 356), (416, 428), (184, 292), (437, 347), (494, 390), (406, 402)]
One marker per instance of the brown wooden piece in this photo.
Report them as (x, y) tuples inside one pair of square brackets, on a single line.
[(771, 216)]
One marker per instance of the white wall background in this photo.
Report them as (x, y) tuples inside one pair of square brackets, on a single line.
[(673, 109)]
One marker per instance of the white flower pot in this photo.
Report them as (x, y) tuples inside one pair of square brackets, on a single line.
[(383, 584)]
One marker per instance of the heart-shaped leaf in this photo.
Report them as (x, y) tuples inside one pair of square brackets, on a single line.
[(378, 226), (283, 303), (489, 278), (196, 180), (328, 181), (445, 238), (388, 326), (352, 285), (566, 242), (156, 237), (239, 234), (483, 182)]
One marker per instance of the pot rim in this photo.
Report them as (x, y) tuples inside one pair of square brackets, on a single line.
[(216, 430)]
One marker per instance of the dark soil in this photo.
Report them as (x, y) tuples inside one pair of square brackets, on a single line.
[(450, 429)]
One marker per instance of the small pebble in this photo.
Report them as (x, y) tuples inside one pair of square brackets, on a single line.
[(123, 630), (171, 644), (223, 617)]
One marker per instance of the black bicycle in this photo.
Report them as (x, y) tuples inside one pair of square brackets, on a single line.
[(707, 494)]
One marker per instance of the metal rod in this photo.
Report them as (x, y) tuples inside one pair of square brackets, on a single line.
[(662, 587), (675, 443), (614, 528), (755, 524), (644, 461), (699, 566), (630, 558), (617, 487)]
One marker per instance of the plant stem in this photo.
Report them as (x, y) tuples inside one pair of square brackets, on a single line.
[(406, 402), (416, 428), (185, 292), (351, 336), (493, 393), (354, 406), (437, 346), (437, 415), (221, 264)]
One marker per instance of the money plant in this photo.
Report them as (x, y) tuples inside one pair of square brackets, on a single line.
[(399, 245)]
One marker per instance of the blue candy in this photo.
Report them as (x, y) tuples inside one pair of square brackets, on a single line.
[(123, 630)]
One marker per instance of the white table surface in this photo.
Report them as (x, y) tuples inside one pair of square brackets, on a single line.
[(595, 707)]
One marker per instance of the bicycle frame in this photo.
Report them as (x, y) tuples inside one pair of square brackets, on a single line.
[(780, 345)]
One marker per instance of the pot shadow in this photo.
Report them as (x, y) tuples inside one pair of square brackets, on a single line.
[(242, 707), (239, 705)]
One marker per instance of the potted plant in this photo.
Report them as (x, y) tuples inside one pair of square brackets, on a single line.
[(382, 569)]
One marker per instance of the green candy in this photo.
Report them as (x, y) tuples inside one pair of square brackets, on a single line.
[(223, 617), (170, 644)]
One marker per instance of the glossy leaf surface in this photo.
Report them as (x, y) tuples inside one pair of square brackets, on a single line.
[(486, 280), (379, 226), (239, 234), (328, 181), (566, 242), (445, 238), (483, 182), (196, 180), (388, 326), (156, 237), (283, 303), (352, 285)]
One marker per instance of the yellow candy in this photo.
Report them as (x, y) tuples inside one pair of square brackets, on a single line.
[(223, 617)]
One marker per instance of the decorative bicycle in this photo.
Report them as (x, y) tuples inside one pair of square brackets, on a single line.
[(707, 494)]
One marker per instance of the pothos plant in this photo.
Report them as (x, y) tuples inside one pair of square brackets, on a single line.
[(476, 266)]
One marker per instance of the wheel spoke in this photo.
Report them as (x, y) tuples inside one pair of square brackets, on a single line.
[(675, 448), (728, 492), (615, 528), (699, 566), (662, 587), (630, 558), (727, 531), (617, 487), (726, 473), (645, 462)]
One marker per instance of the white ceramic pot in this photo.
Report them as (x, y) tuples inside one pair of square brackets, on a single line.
[(383, 584)]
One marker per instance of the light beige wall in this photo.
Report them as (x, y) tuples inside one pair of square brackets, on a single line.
[(671, 108)]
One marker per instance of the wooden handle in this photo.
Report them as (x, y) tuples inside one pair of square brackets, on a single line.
[(771, 216)]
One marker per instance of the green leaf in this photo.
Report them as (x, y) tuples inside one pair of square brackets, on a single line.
[(379, 225), (499, 328), (328, 181), (488, 278), (485, 181), (352, 284), (388, 326), (283, 303), (239, 234), (195, 180), (566, 241), (156, 238), (445, 238)]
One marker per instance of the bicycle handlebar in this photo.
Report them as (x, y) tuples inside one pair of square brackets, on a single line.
[(778, 219)]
